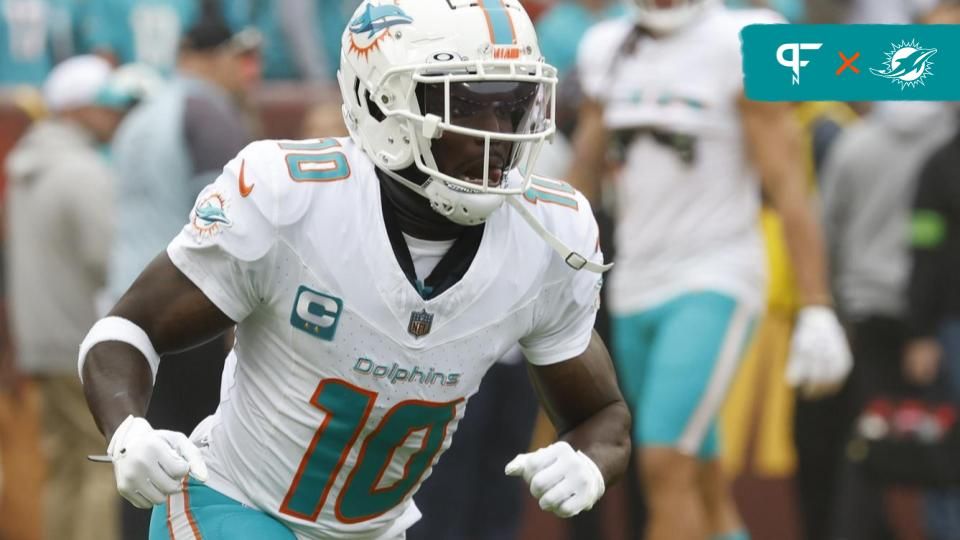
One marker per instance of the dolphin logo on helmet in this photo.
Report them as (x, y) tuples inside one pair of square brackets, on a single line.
[(377, 18)]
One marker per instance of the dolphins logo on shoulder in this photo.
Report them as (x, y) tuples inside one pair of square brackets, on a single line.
[(209, 217)]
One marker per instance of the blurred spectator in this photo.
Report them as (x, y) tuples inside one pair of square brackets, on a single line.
[(58, 224), (34, 35), (22, 467), (148, 31), (562, 26), (933, 349), (192, 128), (165, 152), (867, 186), (21, 472), (301, 37)]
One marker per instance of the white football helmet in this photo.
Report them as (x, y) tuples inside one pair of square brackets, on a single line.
[(412, 70), (665, 16)]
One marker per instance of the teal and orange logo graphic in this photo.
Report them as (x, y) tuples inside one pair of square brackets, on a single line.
[(369, 28), (851, 62), (210, 216), (848, 63), (908, 64)]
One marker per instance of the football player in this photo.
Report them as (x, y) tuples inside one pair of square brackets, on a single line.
[(372, 281), (666, 87)]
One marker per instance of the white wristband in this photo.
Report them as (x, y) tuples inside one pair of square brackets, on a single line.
[(119, 329)]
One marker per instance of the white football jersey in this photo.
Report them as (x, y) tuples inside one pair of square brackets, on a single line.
[(347, 384), (687, 197)]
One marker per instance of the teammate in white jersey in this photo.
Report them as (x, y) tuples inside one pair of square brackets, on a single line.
[(372, 281), (666, 84)]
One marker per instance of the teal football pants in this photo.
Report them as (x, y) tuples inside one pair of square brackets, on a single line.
[(203, 513), (676, 362)]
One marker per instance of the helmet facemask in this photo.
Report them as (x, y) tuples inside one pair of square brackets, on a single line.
[(505, 108)]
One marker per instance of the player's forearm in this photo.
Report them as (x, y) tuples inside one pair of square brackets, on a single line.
[(117, 382), (589, 152), (774, 141), (805, 243), (605, 438)]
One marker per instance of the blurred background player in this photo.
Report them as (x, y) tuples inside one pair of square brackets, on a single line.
[(59, 224), (688, 244)]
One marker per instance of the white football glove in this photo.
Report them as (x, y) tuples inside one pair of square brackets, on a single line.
[(150, 464), (565, 480), (820, 357)]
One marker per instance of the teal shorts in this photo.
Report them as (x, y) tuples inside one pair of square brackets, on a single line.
[(199, 512), (675, 363)]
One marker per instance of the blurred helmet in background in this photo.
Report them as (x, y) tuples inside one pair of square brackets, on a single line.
[(665, 16), (130, 84)]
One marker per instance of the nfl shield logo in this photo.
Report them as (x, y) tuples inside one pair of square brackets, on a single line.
[(420, 323)]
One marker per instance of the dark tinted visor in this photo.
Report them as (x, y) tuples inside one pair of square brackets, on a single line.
[(511, 100)]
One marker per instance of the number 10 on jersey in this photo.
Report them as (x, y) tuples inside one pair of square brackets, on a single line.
[(363, 495)]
